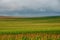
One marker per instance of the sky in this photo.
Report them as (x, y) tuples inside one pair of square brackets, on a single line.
[(29, 8)]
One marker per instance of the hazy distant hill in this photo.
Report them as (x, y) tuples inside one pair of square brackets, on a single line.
[(28, 17)]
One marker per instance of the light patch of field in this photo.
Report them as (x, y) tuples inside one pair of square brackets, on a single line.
[(30, 27)]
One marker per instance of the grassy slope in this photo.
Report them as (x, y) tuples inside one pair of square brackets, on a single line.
[(29, 24)]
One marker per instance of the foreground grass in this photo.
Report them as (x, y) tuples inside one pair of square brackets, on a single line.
[(30, 36)]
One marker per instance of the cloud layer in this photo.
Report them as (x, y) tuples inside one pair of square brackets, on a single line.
[(22, 6), (13, 4)]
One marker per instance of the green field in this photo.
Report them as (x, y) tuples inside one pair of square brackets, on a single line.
[(35, 28), (30, 24)]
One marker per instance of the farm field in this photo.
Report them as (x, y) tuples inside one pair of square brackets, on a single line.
[(36, 28)]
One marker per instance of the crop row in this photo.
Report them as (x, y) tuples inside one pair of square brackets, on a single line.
[(31, 36)]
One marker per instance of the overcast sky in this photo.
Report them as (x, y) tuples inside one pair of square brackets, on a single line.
[(29, 7)]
